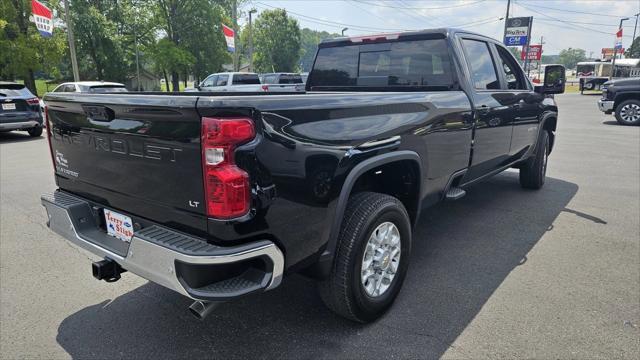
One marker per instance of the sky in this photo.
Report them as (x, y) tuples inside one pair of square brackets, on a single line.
[(584, 24)]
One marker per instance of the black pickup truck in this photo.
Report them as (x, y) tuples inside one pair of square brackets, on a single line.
[(622, 97), (218, 195)]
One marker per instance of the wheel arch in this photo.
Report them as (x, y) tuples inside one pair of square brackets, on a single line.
[(549, 124), (323, 267)]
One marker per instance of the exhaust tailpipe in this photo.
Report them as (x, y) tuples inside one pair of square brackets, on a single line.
[(202, 309)]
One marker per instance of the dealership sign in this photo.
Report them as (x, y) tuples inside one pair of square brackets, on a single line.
[(517, 31), (534, 53), (607, 53)]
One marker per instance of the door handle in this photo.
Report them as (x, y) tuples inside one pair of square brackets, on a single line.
[(483, 110)]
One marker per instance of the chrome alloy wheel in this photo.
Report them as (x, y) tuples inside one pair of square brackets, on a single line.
[(630, 113), (381, 259)]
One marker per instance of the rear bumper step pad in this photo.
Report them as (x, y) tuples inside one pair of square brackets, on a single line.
[(170, 258)]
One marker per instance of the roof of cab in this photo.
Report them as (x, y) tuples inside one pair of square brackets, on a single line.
[(439, 33)]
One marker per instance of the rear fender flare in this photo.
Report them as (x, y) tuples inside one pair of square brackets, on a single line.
[(350, 181)]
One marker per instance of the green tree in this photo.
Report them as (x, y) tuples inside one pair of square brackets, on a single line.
[(276, 42), (23, 51), (634, 50), (106, 32), (570, 57), (204, 39), (309, 40), (171, 59)]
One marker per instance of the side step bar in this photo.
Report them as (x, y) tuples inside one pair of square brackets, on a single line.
[(455, 193)]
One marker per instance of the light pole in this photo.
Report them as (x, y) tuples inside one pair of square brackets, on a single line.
[(252, 11), (343, 30), (615, 50)]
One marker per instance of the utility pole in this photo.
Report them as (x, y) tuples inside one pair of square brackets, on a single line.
[(252, 11), (506, 20), (615, 51), (540, 61), (135, 35), (635, 27), (234, 14), (72, 46)]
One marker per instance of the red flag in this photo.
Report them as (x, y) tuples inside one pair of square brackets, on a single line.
[(229, 36), (42, 17)]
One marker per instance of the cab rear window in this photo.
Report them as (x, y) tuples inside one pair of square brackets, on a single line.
[(107, 89), (417, 63)]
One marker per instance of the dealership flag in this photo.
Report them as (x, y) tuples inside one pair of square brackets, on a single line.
[(619, 39), (42, 17), (228, 35)]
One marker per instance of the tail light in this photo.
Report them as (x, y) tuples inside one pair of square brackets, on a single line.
[(265, 87), (49, 130), (226, 186), (33, 101)]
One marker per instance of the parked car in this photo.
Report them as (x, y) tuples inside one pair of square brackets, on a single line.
[(217, 196), (90, 87), (282, 82), (19, 109), (231, 82), (622, 97)]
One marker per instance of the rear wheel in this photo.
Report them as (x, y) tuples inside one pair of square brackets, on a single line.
[(628, 112), (35, 132), (371, 258), (534, 170)]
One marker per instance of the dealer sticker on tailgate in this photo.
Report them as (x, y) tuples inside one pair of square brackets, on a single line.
[(118, 225)]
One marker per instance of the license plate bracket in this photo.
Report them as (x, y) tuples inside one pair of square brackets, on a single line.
[(118, 225), (9, 106)]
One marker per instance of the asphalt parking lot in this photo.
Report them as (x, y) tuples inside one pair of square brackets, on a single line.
[(502, 272)]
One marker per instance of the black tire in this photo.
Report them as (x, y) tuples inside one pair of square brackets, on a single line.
[(628, 112), (534, 170), (35, 132), (343, 292)]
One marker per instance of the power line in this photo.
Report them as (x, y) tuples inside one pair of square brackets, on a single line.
[(576, 11), (579, 27), (331, 23), (425, 8), (585, 22)]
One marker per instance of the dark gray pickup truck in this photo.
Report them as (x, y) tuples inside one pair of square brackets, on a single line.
[(219, 195)]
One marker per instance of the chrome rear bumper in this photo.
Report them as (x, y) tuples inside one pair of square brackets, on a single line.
[(170, 258)]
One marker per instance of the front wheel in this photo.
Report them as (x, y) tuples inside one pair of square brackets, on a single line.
[(372, 257), (534, 171), (628, 112)]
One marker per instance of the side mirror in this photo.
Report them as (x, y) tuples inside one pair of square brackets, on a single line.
[(554, 80)]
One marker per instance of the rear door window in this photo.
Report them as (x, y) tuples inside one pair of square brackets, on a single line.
[(481, 65), (397, 64), (222, 80), (245, 79)]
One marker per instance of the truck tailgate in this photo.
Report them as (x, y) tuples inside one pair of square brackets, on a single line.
[(135, 153)]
